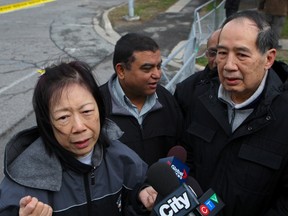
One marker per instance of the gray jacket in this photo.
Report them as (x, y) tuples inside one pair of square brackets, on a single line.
[(104, 190)]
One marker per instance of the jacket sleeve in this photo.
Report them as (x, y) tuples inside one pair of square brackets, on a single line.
[(134, 182), (136, 207), (10, 194)]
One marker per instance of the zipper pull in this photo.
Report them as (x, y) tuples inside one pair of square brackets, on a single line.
[(93, 176), (119, 203)]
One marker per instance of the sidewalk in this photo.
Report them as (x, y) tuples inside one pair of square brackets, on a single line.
[(167, 29)]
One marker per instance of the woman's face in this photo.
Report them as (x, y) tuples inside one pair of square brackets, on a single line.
[(75, 120)]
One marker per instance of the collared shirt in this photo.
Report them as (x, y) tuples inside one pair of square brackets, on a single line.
[(237, 113), (119, 94)]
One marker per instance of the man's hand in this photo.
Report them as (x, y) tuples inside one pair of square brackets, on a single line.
[(30, 206), (148, 196)]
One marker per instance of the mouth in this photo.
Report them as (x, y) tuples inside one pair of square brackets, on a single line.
[(81, 144), (153, 85), (232, 81)]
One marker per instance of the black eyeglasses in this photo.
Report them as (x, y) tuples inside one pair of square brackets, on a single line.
[(212, 52)]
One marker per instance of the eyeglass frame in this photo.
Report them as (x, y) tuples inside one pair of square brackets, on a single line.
[(211, 52)]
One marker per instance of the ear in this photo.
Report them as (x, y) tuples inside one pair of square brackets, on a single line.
[(270, 58), (120, 70)]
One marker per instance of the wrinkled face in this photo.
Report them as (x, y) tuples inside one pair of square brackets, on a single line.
[(241, 66), (211, 51), (142, 78), (75, 120)]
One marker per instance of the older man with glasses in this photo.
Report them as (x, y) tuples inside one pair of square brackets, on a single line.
[(211, 51), (210, 69)]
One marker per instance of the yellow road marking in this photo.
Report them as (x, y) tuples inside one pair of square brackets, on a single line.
[(22, 5)]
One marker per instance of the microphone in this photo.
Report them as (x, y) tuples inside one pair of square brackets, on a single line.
[(178, 198), (194, 185), (178, 152), (161, 177), (210, 204), (181, 202), (176, 159)]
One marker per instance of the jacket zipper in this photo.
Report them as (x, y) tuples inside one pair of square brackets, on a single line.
[(87, 189), (93, 175)]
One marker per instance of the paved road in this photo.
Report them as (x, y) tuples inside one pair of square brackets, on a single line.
[(39, 36)]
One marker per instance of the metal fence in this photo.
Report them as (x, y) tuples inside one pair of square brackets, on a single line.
[(204, 23)]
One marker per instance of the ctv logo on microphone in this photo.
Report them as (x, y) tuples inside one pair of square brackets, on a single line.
[(179, 203), (209, 205)]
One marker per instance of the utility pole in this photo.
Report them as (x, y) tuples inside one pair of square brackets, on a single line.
[(131, 16)]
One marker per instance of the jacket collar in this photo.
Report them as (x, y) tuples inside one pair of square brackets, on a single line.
[(274, 86), (35, 168), (118, 98), (28, 163)]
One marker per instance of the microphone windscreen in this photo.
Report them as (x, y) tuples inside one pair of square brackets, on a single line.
[(192, 182), (179, 152), (162, 178)]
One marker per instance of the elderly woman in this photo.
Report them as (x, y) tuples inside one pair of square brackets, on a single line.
[(72, 163)]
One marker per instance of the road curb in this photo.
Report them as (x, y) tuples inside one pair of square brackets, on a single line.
[(105, 30), (109, 34)]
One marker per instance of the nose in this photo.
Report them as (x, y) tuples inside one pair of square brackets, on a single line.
[(230, 64), (156, 74), (78, 124)]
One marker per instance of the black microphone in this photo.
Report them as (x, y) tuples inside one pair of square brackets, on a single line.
[(176, 159), (179, 199), (178, 152), (210, 204), (176, 199), (194, 185), (162, 178)]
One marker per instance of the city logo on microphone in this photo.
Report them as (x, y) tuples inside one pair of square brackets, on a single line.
[(179, 203)]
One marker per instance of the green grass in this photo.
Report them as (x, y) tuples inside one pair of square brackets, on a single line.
[(145, 9), (211, 5), (202, 61), (282, 56), (285, 30)]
